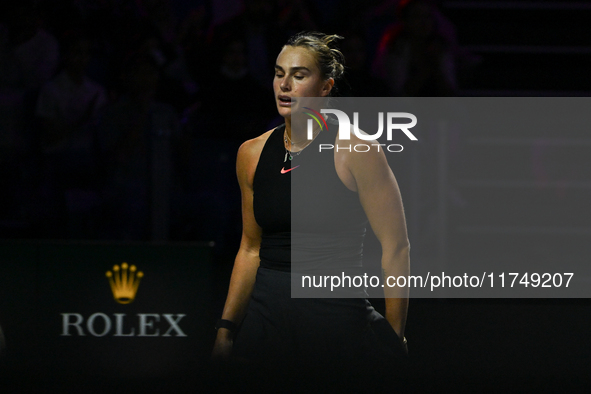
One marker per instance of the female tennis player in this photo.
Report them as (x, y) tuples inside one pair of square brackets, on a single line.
[(313, 343)]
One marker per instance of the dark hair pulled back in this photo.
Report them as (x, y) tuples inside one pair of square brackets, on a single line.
[(330, 59)]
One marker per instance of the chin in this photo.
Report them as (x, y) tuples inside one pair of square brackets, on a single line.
[(284, 112)]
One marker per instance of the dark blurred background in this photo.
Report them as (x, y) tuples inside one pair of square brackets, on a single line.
[(120, 121)]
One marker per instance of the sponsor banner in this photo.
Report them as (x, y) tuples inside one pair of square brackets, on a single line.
[(104, 309)]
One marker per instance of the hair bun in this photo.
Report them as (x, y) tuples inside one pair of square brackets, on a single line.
[(330, 59)]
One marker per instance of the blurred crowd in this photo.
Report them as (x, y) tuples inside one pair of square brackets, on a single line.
[(120, 119)]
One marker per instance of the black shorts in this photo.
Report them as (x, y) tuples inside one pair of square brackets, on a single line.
[(316, 343)]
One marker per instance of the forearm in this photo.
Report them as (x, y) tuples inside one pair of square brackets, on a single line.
[(396, 264), (241, 285)]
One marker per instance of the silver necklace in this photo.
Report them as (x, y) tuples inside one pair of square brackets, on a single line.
[(288, 153)]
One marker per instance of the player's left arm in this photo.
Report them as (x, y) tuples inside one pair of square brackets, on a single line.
[(380, 197)]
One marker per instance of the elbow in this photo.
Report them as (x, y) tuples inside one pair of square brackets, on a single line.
[(402, 247), (396, 250), (398, 242)]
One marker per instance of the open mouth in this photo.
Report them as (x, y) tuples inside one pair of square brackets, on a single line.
[(285, 100)]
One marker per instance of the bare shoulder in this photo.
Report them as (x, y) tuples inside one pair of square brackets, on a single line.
[(359, 152), (248, 156), (357, 159)]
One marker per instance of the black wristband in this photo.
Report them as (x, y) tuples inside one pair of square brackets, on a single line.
[(223, 323)]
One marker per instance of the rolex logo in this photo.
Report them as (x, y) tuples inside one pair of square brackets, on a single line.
[(124, 282)]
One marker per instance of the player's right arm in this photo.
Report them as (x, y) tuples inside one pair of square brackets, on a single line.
[(247, 260)]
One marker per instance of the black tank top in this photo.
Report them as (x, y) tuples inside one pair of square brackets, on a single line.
[(308, 216)]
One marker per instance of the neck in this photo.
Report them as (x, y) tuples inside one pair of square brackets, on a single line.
[(298, 139), (288, 127)]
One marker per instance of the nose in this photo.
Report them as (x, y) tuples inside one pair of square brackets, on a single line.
[(285, 85)]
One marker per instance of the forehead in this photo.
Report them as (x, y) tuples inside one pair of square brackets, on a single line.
[(296, 57)]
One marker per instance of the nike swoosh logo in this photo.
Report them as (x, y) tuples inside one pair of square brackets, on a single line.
[(284, 171)]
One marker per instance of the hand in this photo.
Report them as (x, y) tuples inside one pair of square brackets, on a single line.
[(222, 349)]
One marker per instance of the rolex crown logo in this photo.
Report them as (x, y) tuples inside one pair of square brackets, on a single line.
[(124, 282)]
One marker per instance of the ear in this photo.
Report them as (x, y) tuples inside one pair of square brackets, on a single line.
[(327, 87)]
